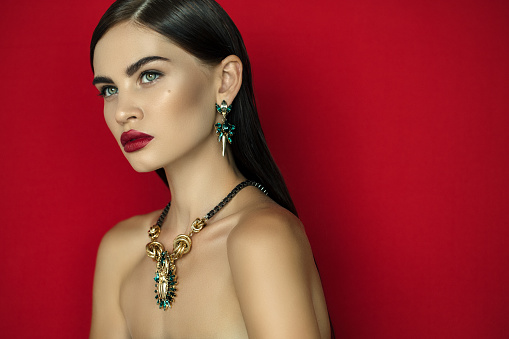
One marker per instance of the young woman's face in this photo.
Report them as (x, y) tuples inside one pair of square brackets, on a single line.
[(159, 100)]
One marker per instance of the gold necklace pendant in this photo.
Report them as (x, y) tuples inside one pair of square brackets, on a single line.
[(166, 281), (166, 270)]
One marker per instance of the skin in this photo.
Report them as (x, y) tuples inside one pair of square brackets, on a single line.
[(250, 273)]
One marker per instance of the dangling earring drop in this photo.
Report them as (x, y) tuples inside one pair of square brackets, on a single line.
[(224, 130)]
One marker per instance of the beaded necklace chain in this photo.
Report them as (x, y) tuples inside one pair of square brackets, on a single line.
[(166, 271)]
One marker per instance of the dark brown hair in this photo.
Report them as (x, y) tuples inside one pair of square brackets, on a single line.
[(204, 29)]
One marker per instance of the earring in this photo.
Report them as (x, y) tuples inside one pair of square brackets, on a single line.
[(224, 130)]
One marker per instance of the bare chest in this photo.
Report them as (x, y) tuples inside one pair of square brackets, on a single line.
[(206, 305)]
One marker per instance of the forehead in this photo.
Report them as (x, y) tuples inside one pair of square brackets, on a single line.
[(128, 42)]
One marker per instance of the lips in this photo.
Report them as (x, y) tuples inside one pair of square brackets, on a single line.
[(133, 140)]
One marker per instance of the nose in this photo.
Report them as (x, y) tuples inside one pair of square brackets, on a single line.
[(127, 110)]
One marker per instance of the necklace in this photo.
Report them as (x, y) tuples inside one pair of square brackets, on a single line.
[(166, 271)]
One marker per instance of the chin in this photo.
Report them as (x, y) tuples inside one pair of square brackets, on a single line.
[(145, 169), (144, 165)]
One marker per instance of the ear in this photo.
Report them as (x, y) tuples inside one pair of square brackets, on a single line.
[(231, 79)]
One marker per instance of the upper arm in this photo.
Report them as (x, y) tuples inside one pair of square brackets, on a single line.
[(270, 263), (107, 318)]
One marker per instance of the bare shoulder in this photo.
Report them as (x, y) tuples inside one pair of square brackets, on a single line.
[(269, 224), (273, 272), (114, 260), (126, 231)]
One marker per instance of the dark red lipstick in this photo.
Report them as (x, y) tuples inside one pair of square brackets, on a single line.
[(133, 140)]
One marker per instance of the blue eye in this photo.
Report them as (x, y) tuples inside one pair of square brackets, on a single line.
[(149, 76), (108, 91)]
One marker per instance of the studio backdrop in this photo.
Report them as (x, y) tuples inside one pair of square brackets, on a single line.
[(389, 121)]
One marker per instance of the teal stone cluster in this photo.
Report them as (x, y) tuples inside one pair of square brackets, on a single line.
[(224, 108), (166, 281), (225, 129)]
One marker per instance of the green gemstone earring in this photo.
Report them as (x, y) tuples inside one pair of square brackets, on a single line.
[(224, 130)]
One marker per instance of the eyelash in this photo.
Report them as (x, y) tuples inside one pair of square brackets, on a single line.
[(102, 92)]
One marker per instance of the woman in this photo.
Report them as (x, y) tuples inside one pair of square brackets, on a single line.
[(176, 79)]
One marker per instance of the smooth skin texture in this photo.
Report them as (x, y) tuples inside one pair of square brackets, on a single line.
[(250, 272)]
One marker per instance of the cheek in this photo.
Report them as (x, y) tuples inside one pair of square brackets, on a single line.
[(109, 118), (189, 107)]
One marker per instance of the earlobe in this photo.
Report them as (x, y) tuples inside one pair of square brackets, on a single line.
[(231, 78)]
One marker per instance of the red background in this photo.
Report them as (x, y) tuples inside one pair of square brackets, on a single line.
[(388, 119)]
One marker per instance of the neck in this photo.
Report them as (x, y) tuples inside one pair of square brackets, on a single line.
[(197, 184)]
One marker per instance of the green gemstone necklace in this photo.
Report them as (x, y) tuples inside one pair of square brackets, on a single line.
[(166, 271)]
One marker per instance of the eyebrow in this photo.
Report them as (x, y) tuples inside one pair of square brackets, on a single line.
[(102, 80), (137, 65), (130, 70)]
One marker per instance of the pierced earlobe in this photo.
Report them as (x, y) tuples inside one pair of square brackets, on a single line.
[(224, 130)]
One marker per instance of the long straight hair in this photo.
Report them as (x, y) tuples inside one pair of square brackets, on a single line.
[(204, 29)]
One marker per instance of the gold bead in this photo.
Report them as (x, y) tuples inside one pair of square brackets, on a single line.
[(154, 249), (197, 225), (153, 232), (181, 245)]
